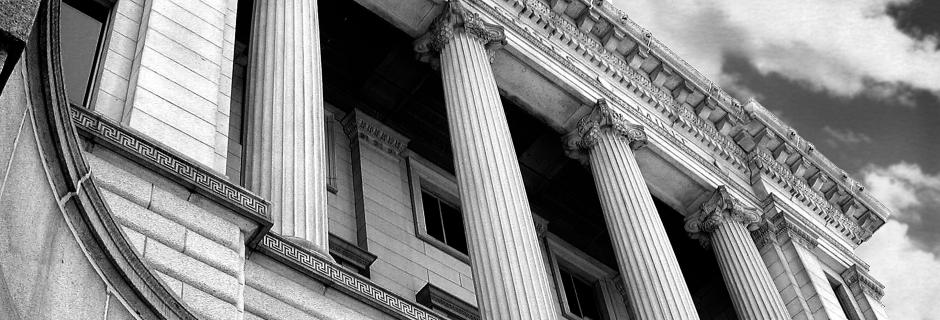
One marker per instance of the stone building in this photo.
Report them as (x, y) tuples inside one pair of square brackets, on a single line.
[(408, 159)]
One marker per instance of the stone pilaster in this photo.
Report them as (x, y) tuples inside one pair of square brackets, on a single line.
[(724, 224), (285, 100), (648, 265), (508, 269), (373, 148)]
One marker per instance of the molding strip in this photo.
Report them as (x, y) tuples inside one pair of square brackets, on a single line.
[(438, 299), (340, 278), (151, 154), (351, 253)]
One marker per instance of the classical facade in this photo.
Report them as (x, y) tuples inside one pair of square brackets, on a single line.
[(413, 159)]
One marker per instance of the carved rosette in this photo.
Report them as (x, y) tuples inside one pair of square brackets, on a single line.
[(452, 19), (585, 136), (719, 209)]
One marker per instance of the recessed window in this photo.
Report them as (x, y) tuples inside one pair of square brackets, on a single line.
[(586, 288), (436, 205), (82, 33), (444, 221), (581, 295)]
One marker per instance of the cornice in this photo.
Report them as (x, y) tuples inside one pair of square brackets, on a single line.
[(597, 49), (763, 163), (340, 278), (650, 123), (360, 127), (776, 210), (856, 275)]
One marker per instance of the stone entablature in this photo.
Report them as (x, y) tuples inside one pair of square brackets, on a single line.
[(611, 42), (856, 275), (781, 221)]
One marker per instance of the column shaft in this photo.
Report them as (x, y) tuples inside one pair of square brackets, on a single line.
[(508, 271), (723, 223), (285, 100), (752, 290), (654, 283)]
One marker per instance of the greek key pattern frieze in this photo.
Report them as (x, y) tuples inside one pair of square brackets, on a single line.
[(362, 288), (152, 154)]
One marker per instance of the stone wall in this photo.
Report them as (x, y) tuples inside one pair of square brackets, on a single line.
[(176, 85), (191, 243)]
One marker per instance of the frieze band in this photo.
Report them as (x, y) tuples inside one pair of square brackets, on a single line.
[(343, 279), (151, 154)]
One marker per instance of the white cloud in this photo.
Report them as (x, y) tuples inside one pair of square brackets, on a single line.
[(845, 136), (901, 253), (911, 276), (845, 47)]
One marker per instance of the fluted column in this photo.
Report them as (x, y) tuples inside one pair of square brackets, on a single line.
[(723, 223), (285, 99), (648, 265), (508, 270)]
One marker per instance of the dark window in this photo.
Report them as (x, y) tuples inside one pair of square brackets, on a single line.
[(82, 27), (582, 295), (443, 221)]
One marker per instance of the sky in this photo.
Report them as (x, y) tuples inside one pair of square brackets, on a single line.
[(858, 78)]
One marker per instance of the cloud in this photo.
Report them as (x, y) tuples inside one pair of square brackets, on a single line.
[(913, 195), (846, 137), (903, 254), (843, 47), (910, 275)]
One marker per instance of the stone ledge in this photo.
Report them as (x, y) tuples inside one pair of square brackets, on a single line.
[(161, 159), (438, 299), (341, 279)]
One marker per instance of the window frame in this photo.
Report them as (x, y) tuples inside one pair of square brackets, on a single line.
[(109, 7), (564, 255), (422, 175)]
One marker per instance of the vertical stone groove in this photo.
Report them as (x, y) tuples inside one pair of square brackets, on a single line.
[(723, 224), (508, 270), (287, 120), (654, 283)]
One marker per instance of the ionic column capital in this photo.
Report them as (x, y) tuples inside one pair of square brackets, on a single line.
[(455, 18), (602, 118), (719, 209)]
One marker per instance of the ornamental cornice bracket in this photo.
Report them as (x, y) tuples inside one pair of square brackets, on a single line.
[(602, 118), (360, 127), (720, 208), (454, 18), (858, 277)]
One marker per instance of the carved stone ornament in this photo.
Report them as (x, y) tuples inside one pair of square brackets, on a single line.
[(858, 276), (719, 209), (359, 127), (455, 18), (586, 134)]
